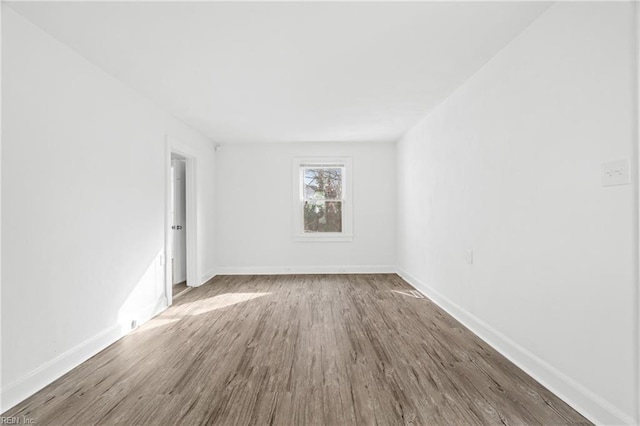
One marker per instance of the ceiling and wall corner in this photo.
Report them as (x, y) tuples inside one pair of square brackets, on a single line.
[(291, 71)]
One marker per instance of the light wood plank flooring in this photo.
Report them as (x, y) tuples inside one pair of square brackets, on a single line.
[(298, 350), (177, 289)]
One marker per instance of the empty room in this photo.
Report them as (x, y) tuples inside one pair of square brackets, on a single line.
[(327, 213)]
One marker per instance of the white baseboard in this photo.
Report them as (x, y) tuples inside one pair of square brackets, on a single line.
[(590, 405), (19, 390), (289, 270), (207, 276)]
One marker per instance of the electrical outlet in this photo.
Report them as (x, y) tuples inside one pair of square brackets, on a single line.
[(469, 257), (616, 173), (134, 324)]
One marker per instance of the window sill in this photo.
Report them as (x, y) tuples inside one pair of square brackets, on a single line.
[(313, 238)]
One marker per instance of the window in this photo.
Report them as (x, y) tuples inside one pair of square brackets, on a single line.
[(322, 207)]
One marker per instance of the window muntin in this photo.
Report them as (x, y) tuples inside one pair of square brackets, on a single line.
[(322, 198), (322, 203)]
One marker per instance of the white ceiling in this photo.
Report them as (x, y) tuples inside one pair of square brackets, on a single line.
[(289, 72)]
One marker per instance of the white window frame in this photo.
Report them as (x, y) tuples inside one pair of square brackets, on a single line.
[(298, 200)]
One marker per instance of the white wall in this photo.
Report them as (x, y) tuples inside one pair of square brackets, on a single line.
[(254, 216), (509, 166), (83, 207)]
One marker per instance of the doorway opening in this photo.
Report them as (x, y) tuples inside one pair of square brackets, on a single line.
[(178, 228), (181, 234)]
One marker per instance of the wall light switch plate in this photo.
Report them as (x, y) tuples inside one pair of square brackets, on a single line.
[(469, 257), (616, 173)]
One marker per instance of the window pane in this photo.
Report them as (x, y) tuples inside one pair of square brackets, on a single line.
[(322, 216), (323, 183)]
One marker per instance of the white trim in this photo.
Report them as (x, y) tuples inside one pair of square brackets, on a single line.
[(590, 405), (347, 200), (168, 236), (636, 181), (191, 222), (19, 390), (1, 340), (289, 270), (323, 237), (208, 276), (191, 219)]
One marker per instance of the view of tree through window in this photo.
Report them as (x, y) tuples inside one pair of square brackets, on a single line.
[(323, 199)]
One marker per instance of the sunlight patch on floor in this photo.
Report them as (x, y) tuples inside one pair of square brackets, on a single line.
[(155, 323), (410, 293), (220, 301)]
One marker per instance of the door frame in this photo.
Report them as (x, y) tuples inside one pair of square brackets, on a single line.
[(191, 218), (635, 165)]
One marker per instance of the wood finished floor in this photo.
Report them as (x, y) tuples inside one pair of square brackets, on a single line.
[(177, 289), (297, 350)]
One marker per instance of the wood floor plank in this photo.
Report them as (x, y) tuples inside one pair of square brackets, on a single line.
[(299, 350)]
